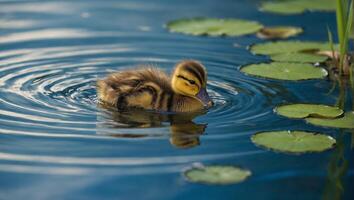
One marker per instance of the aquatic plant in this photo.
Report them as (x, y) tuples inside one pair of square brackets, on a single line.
[(292, 46), (285, 71), (289, 7), (293, 141), (343, 122), (279, 32), (308, 110), (217, 174), (344, 18), (214, 26), (230, 27), (298, 57), (338, 166)]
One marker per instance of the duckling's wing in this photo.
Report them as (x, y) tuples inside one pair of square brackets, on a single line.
[(115, 85), (141, 88)]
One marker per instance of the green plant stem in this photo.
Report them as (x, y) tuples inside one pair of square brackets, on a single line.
[(340, 20), (331, 44)]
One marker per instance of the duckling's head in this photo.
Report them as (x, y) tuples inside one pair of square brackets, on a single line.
[(189, 79)]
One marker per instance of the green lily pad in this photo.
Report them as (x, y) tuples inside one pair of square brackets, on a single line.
[(217, 174), (293, 141), (298, 6), (298, 57), (214, 26), (281, 47), (306, 110), (281, 32), (347, 121), (285, 71)]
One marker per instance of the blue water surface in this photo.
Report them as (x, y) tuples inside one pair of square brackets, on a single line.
[(57, 143)]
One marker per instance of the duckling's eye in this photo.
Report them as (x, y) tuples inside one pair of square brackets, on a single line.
[(191, 82)]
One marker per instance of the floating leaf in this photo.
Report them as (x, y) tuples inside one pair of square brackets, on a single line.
[(214, 26), (306, 110), (279, 32), (282, 47), (298, 57), (347, 121), (285, 71), (293, 141), (217, 174), (281, 8), (298, 6)]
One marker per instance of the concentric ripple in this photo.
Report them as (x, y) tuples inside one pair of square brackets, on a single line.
[(53, 88), (49, 92)]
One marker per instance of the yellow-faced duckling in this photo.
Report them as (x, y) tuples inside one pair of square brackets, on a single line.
[(152, 89)]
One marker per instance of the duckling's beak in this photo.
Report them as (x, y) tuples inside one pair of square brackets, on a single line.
[(203, 96)]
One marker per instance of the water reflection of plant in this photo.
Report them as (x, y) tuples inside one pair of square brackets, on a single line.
[(337, 169)]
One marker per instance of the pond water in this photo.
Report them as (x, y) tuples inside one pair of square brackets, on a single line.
[(56, 143)]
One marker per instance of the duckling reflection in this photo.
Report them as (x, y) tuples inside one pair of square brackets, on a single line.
[(183, 132)]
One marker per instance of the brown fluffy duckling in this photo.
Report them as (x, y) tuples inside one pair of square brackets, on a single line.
[(152, 89)]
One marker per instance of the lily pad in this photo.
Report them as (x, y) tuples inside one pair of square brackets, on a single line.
[(298, 6), (217, 174), (347, 121), (281, 47), (285, 71), (293, 141), (214, 26), (298, 57), (281, 32), (307, 110)]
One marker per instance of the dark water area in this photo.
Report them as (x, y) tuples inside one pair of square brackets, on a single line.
[(57, 143)]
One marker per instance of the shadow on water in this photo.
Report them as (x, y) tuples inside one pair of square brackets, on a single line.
[(183, 132)]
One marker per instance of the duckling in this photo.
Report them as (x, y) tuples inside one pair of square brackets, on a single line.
[(151, 89)]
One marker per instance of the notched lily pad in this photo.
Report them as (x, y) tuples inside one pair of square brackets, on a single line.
[(308, 110), (285, 71), (293, 141), (281, 47), (298, 57), (220, 175), (214, 26), (297, 6), (347, 121), (278, 32)]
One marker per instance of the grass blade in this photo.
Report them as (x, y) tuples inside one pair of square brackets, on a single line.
[(340, 21), (334, 56), (331, 44), (344, 46), (348, 28)]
